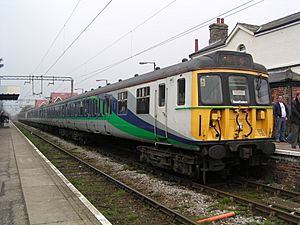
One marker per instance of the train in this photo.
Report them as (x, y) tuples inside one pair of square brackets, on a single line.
[(4, 119), (208, 114)]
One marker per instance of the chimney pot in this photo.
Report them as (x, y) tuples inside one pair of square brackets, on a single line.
[(196, 45), (218, 20), (218, 31), (222, 20)]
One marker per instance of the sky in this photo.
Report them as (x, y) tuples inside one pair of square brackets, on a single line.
[(110, 46)]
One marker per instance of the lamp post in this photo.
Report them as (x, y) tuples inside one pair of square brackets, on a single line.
[(106, 81), (82, 90), (154, 64)]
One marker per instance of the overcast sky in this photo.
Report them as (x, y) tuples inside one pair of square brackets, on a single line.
[(28, 27)]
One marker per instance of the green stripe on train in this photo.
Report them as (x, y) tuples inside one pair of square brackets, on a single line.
[(130, 129)]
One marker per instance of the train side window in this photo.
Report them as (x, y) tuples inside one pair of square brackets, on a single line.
[(161, 95), (62, 111), (80, 108), (72, 109), (142, 100), (97, 109), (108, 105), (261, 87), (90, 105), (181, 91), (122, 102), (94, 107)]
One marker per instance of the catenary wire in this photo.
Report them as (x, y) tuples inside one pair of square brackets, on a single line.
[(70, 45), (123, 36), (120, 38), (58, 34), (53, 42), (190, 30)]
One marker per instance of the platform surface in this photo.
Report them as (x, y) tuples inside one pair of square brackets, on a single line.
[(33, 193), (285, 148)]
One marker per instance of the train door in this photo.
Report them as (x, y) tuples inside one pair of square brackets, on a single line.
[(92, 121), (107, 113), (98, 116), (161, 130)]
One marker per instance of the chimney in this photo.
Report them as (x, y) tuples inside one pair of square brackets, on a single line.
[(196, 45), (218, 31)]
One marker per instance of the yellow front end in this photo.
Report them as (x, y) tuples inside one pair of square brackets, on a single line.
[(229, 122)]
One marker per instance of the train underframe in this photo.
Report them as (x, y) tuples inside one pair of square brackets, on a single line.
[(211, 158)]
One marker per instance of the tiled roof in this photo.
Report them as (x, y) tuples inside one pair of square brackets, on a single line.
[(282, 75), (211, 46), (255, 29), (280, 22), (250, 27)]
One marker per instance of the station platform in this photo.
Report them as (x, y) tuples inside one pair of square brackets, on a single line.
[(33, 192), (284, 148)]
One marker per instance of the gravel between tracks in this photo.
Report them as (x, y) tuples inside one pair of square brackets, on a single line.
[(171, 194)]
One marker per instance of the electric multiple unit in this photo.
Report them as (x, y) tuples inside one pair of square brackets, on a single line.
[(212, 113)]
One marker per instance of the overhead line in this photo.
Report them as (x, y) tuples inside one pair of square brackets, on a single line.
[(201, 25), (58, 34), (53, 42), (124, 35), (77, 37)]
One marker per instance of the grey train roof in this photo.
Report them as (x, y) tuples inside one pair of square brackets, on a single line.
[(206, 61)]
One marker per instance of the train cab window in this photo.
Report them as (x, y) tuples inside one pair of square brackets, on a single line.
[(210, 87), (261, 87), (161, 95), (238, 90), (142, 100), (122, 102), (181, 91)]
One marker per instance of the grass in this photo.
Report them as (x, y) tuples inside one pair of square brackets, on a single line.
[(120, 193)]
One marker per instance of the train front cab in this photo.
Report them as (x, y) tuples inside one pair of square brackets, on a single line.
[(232, 117)]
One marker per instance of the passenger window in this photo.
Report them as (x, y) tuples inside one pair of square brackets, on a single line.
[(81, 109), (161, 94), (181, 91), (108, 105), (142, 100), (91, 108), (122, 102)]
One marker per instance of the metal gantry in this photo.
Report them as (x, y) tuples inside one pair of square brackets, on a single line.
[(31, 78)]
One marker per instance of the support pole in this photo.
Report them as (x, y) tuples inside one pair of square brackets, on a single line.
[(72, 87)]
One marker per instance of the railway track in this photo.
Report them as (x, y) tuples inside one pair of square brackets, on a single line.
[(275, 207), (72, 166), (287, 214)]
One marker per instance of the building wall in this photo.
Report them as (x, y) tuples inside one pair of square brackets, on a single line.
[(275, 49), (286, 170)]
